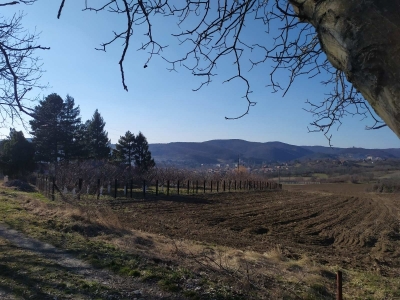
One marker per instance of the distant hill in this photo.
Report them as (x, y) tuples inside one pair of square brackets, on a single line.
[(355, 153), (228, 151)]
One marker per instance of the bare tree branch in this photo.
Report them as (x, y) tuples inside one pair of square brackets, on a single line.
[(20, 69), (60, 9), (215, 32)]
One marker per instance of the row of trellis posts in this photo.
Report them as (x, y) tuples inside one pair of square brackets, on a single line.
[(48, 186)]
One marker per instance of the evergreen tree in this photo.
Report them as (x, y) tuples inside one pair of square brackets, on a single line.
[(97, 137), (72, 140), (125, 148), (81, 141), (55, 128), (16, 154), (142, 154), (46, 128)]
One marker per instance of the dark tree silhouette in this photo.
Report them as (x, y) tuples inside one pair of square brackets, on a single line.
[(46, 129), (125, 148), (55, 129), (142, 154), (16, 155), (70, 123), (97, 138)]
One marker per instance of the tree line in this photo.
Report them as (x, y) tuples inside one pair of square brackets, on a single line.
[(60, 136)]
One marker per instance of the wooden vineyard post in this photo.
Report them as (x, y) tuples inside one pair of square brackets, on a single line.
[(98, 189), (144, 188), (157, 187), (52, 189), (240, 185), (339, 293), (115, 188), (193, 186), (131, 188), (211, 186), (178, 187), (167, 187), (217, 186), (229, 186), (235, 185), (197, 186), (188, 187), (224, 185), (204, 187), (80, 180)]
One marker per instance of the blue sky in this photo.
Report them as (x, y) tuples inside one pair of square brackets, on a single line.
[(162, 104)]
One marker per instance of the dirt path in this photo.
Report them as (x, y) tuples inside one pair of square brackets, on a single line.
[(128, 287)]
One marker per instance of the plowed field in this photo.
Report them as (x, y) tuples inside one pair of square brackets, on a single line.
[(335, 224)]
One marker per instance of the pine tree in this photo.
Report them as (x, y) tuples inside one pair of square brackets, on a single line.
[(16, 154), (70, 125), (46, 128), (97, 137), (142, 154), (55, 128), (125, 148)]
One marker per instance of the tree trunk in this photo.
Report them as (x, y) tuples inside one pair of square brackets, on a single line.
[(362, 38)]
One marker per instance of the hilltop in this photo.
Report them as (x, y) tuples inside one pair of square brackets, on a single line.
[(228, 151)]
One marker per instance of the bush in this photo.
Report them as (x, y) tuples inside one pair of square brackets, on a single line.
[(387, 186)]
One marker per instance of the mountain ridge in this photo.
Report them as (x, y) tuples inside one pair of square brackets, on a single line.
[(228, 151)]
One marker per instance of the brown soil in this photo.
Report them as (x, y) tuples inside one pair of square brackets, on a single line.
[(338, 224)]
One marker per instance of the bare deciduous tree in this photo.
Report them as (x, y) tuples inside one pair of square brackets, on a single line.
[(354, 42), (20, 67)]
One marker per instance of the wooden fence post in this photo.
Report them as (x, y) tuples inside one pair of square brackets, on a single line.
[(339, 293), (235, 185), (204, 187), (193, 186), (167, 187), (217, 186), (188, 187), (197, 186), (240, 184), (115, 189), (131, 188), (211, 185), (229, 186), (144, 188), (80, 180), (224, 185), (98, 189), (178, 187), (52, 189)]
